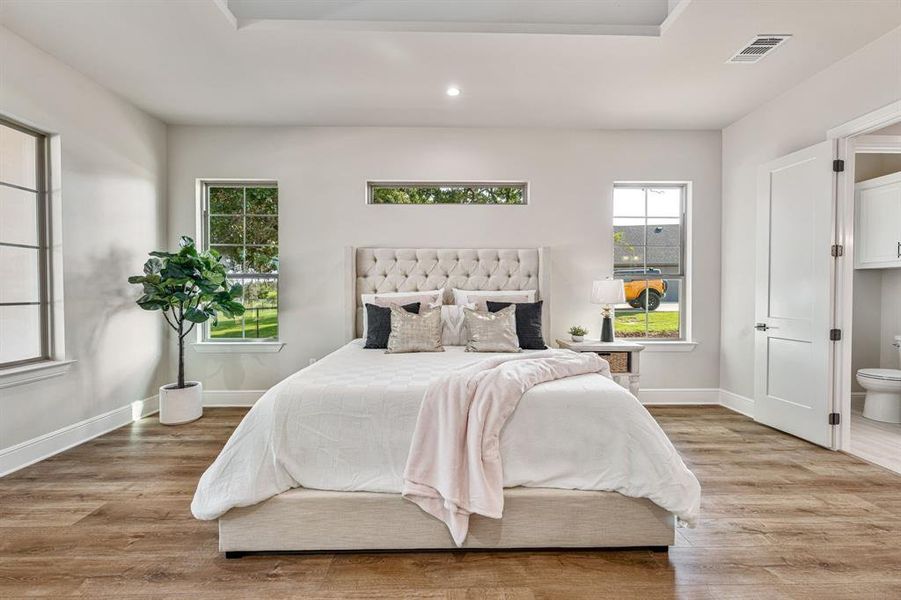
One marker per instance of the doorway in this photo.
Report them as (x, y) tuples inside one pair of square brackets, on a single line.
[(874, 419)]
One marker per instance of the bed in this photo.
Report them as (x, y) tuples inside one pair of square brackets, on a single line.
[(317, 464)]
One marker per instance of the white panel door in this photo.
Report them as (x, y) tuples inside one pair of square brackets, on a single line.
[(794, 293)]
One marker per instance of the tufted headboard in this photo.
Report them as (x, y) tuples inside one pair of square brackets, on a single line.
[(372, 270)]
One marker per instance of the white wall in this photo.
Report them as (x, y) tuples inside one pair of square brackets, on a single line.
[(322, 174), (864, 81), (871, 166), (113, 174)]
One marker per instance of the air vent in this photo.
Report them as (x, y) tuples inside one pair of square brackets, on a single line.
[(756, 49)]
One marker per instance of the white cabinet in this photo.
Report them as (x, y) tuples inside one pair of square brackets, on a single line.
[(877, 227)]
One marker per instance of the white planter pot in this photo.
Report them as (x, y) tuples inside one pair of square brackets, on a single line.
[(577, 338), (183, 405)]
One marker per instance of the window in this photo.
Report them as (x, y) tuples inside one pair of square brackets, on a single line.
[(649, 255), (24, 285), (241, 223), (447, 193)]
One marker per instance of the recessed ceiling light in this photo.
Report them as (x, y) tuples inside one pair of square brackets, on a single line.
[(453, 91)]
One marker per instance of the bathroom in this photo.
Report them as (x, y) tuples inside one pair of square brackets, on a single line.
[(876, 357)]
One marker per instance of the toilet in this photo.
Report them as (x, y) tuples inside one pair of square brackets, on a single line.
[(883, 386)]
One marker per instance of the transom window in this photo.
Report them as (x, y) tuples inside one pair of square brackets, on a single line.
[(447, 193), (24, 285), (241, 224), (649, 255)]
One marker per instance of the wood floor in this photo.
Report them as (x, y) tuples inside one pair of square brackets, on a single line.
[(874, 441), (780, 519)]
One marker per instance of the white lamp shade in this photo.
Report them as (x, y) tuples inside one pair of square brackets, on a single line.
[(608, 291)]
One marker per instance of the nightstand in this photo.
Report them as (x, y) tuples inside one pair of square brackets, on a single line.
[(622, 356)]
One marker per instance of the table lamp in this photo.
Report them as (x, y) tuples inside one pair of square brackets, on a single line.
[(607, 292)]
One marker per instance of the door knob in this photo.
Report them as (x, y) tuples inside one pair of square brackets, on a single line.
[(761, 327)]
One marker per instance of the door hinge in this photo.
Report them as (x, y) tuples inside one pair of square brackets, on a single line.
[(837, 250), (835, 418), (838, 166), (835, 335)]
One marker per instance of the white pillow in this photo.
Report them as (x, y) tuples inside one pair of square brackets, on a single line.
[(453, 325), (480, 297), (427, 298)]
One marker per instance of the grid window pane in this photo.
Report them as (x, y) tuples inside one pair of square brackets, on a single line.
[(653, 309), (628, 202), (629, 231), (664, 232), (664, 202), (247, 239), (18, 216), (226, 200), (18, 158), (664, 259), (20, 274), (227, 230), (262, 230), (262, 259), (262, 201), (21, 333)]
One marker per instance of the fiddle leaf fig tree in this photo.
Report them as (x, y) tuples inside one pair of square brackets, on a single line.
[(188, 287)]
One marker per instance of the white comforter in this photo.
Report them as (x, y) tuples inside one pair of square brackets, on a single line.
[(346, 423)]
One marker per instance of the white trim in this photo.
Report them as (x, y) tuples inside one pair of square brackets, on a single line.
[(736, 402), (236, 347), (226, 398), (688, 396), (30, 373), (877, 119), (37, 449), (660, 346), (844, 272), (877, 144), (674, 14), (222, 5)]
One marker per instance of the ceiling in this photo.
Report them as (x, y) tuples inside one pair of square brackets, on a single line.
[(198, 62)]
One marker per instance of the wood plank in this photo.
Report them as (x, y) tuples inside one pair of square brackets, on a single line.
[(780, 519)]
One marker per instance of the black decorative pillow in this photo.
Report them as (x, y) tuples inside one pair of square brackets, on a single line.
[(378, 320), (528, 322)]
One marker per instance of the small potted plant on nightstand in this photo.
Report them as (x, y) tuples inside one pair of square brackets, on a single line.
[(188, 287), (577, 333)]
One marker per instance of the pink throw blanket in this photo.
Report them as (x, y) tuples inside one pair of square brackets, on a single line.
[(454, 466)]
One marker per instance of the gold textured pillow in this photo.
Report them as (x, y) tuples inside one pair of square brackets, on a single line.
[(412, 332), (492, 332)]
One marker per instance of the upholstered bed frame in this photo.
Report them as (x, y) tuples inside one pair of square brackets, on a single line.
[(374, 270), (324, 521)]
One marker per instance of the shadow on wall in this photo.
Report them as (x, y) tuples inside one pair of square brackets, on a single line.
[(102, 301)]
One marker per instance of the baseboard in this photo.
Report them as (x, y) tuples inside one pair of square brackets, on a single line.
[(679, 396), (736, 402), (37, 449), (223, 398)]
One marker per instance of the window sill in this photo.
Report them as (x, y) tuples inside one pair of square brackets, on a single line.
[(681, 346), (237, 347), (34, 372)]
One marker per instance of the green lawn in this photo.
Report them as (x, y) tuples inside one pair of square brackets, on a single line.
[(259, 323), (661, 324)]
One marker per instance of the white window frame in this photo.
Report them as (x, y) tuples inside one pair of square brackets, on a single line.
[(685, 342), (52, 361), (204, 343)]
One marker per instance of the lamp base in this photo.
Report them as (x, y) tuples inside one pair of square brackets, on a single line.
[(607, 329)]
